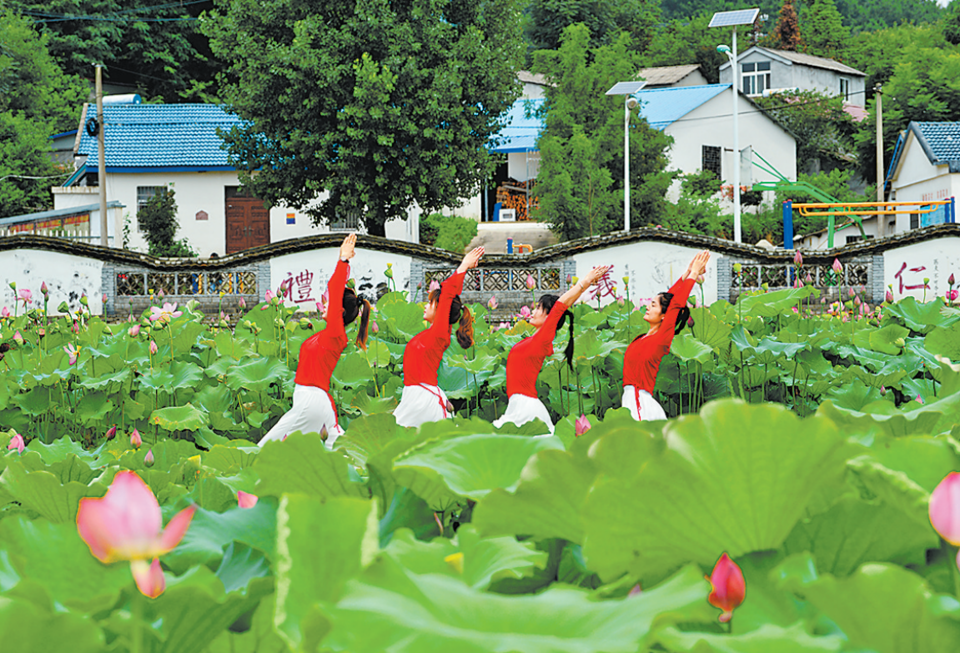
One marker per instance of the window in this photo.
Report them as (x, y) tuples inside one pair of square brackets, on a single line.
[(756, 77), (711, 159), (845, 88), (914, 220), (856, 239), (346, 222), (144, 193)]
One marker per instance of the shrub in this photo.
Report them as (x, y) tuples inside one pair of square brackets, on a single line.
[(158, 220), (448, 232)]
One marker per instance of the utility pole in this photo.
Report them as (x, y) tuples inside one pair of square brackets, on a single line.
[(102, 162), (881, 219)]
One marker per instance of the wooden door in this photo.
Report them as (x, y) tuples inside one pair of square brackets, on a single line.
[(248, 221)]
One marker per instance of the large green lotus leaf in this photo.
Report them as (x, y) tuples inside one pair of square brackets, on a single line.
[(853, 532), (482, 560), (774, 303), (402, 318), (44, 493), (391, 609), (230, 459), (925, 460), (28, 628), (230, 347), (256, 636), (932, 417), (258, 374), (179, 418), (884, 340), (210, 532), (377, 353), (473, 465), (186, 334), (854, 395), (710, 330), (60, 450), (353, 370), (482, 360), (766, 639), (881, 607), (944, 341), (687, 348), (54, 556), (369, 404), (769, 351), (875, 481), (737, 478), (240, 565), (320, 546), (157, 378), (194, 610), (103, 381), (368, 436), (404, 509), (921, 317), (94, 408), (547, 502), (302, 463)]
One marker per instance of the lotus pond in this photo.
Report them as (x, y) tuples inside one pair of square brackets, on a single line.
[(804, 445)]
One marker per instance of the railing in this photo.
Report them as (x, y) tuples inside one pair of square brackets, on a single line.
[(857, 274), (137, 288)]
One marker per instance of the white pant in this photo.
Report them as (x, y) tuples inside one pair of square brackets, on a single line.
[(522, 409), (420, 404), (642, 406), (312, 410)]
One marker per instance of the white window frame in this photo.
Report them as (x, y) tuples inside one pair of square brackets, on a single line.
[(755, 75), (144, 195)]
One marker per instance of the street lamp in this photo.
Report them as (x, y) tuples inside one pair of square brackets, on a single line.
[(732, 19), (626, 89)]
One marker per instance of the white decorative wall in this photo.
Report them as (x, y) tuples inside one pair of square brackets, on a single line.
[(905, 268), (68, 278)]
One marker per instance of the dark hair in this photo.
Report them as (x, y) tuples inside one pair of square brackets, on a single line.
[(354, 305), (458, 313), (682, 316), (547, 303)]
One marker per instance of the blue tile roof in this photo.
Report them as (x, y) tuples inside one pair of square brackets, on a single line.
[(660, 106), (160, 137), (940, 141)]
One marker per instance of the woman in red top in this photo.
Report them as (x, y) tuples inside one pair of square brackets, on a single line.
[(313, 409), (422, 400), (667, 314), (526, 357)]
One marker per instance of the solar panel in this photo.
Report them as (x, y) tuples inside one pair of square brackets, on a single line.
[(738, 17), (626, 88)]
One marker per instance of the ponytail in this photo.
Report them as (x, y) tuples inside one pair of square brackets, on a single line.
[(682, 316), (547, 303), (458, 313), (363, 331)]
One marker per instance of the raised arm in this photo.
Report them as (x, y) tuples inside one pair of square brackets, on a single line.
[(338, 282), (570, 297), (453, 287)]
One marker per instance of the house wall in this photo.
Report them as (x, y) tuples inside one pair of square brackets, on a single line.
[(784, 74), (695, 78), (905, 268), (818, 241), (917, 179), (712, 124), (68, 277)]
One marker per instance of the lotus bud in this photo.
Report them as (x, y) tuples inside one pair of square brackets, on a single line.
[(492, 304), (944, 508), (242, 303), (951, 280), (952, 295), (153, 347), (837, 267), (919, 399), (246, 500), (134, 331), (883, 391), (531, 282), (448, 405), (324, 434), (729, 588), (374, 327), (809, 278), (798, 258), (17, 338), (569, 277), (160, 294), (581, 425), (112, 431), (135, 439), (889, 297), (5, 312), (701, 279), (16, 442), (148, 460), (43, 289)]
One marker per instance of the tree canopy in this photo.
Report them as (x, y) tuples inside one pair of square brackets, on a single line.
[(370, 107)]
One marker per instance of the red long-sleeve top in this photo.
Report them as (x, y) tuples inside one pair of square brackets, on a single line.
[(641, 362), (526, 357), (422, 355), (320, 352)]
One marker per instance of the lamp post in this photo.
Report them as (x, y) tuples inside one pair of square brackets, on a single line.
[(732, 19), (626, 89)]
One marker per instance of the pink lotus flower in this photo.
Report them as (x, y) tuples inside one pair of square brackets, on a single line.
[(247, 500), (434, 285), (134, 331), (837, 267), (525, 312), (126, 524), (952, 295), (374, 327), (112, 431), (729, 588), (26, 296), (16, 442), (945, 508), (18, 338), (582, 425), (149, 459), (5, 312), (43, 288), (72, 353), (798, 258), (531, 282), (493, 303), (153, 347), (165, 314), (135, 440)]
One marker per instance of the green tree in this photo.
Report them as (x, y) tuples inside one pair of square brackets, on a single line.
[(381, 105), (824, 131), (604, 18), (36, 101), (786, 33), (685, 41), (826, 35), (158, 220), (580, 185)]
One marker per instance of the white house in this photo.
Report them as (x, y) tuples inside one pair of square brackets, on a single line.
[(925, 168)]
